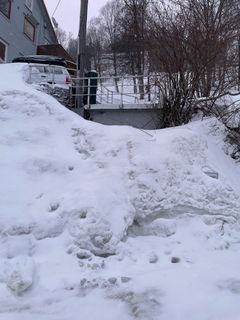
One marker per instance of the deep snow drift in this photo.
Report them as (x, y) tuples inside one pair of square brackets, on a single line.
[(101, 222)]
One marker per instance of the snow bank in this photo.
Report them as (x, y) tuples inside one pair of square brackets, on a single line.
[(73, 190), (69, 175)]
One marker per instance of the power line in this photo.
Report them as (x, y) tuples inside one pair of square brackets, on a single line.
[(56, 7)]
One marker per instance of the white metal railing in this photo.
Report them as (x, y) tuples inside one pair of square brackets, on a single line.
[(120, 91)]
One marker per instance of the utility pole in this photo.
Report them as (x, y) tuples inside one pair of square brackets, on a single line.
[(81, 51)]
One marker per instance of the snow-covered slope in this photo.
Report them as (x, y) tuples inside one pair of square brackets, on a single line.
[(112, 223)]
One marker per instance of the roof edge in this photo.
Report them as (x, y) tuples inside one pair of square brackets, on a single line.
[(49, 19)]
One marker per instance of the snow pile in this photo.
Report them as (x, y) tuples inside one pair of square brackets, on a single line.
[(72, 191)]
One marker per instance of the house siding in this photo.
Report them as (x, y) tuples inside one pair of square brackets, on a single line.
[(11, 30)]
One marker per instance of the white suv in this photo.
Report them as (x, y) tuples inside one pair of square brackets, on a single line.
[(46, 70), (51, 74)]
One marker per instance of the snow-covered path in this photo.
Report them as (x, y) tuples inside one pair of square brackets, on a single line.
[(113, 223)]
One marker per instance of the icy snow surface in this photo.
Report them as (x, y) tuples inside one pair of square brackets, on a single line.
[(108, 222)]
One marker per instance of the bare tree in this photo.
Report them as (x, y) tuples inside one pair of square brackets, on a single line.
[(96, 42), (110, 17), (72, 48), (213, 25), (133, 37), (190, 43), (61, 36)]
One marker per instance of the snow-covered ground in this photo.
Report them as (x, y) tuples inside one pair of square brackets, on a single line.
[(107, 93), (107, 222)]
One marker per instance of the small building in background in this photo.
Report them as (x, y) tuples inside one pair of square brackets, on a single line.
[(24, 25)]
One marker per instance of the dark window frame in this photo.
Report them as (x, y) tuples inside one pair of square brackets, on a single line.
[(8, 15), (24, 30)]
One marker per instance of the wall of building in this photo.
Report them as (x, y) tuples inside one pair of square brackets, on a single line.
[(147, 119), (11, 30)]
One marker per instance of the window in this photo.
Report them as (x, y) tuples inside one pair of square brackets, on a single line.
[(3, 51), (48, 69), (28, 29), (28, 4), (39, 68), (5, 7), (58, 70)]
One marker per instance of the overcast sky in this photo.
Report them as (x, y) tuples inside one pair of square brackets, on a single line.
[(67, 14)]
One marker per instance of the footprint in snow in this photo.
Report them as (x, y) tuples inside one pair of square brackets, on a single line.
[(231, 284)]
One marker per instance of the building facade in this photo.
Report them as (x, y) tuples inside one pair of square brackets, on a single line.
[(24, 25)]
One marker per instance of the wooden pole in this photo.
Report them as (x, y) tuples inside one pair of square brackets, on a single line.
[(81, 63)]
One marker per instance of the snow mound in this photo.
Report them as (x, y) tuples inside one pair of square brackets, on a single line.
[(74, 191), (70, 175)]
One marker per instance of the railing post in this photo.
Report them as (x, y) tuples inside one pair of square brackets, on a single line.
[(148, 87), (89, 92), (122, 92), (155, 89), (101, 93)]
